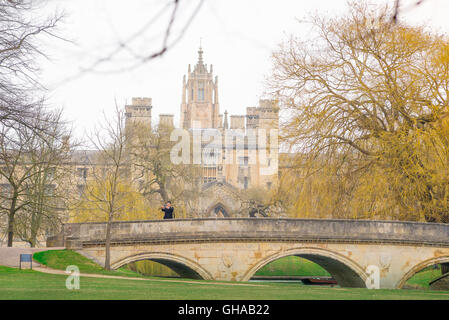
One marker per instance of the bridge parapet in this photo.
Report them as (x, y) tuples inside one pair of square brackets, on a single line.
[(78, 235)]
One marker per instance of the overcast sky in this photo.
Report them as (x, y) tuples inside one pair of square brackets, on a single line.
[(238, 38)]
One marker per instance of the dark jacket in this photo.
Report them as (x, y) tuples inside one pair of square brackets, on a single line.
[(168, 213)]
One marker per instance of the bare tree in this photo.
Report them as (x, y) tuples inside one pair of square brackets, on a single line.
[(397, 9), (19, 49), (109, 172), (23, 157), (48, 188), (125, 50)]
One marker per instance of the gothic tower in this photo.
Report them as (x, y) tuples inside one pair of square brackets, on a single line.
[(199, 105)]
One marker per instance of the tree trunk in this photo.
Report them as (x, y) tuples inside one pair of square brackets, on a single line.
[(10, 229), (107, 260), (35, 224), (12, 212), (163, 194)]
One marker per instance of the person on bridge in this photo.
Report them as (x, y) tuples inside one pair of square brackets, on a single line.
[(168, 211)]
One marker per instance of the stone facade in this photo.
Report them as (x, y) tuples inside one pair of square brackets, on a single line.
[(241, 167), (236, 169)]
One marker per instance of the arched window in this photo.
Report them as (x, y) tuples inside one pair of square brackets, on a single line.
[(201, 91)]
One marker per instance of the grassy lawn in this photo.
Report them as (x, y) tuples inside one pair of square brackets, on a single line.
[(60, 259), (422, 279), (292, 266), (28, 284)]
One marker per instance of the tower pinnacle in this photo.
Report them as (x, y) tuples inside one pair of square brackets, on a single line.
[(201, 97), (225, 123), (200, 55)]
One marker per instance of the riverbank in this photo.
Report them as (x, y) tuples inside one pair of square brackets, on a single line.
[(18, 284)]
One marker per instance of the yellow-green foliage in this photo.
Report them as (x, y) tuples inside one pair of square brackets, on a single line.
[(132, 204), (368, 107)]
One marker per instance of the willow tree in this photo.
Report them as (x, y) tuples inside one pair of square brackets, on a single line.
[(131, 203), (367, 100)]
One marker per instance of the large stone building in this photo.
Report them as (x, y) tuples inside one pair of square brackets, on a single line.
[(243, 164), (239, 166)]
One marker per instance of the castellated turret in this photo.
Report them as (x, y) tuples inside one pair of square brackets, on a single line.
[(166, 120), (139, 111), (265, 116)]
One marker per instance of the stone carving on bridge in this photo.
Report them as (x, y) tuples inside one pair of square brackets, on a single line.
[(385, 262), (227, 261), (225, 268)]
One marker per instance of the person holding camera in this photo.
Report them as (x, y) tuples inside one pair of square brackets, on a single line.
[(168, 211)]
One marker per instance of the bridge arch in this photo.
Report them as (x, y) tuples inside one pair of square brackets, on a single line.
[(347, 272), (185, 267), (418, 267)]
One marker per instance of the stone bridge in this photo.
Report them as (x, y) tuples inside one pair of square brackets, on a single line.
[(235, 248)]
